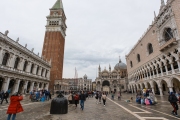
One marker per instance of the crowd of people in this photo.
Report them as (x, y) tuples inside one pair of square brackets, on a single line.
[(146, 97), (40, 95)]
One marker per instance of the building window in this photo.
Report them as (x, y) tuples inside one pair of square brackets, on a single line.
[(168, 34), (138, 58), (25, 66), (5, 59), (131, 64), (16, 62), (42, 72), (32, 67), (150, 48)]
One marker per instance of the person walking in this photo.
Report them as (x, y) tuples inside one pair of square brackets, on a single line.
[(82, 99), (173, 100), (100, 95), (5, 96), (112, 96), (104, 98), (96, 96), (119, 96), (15, 106), (76, 98)]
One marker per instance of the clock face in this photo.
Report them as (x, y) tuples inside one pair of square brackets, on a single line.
[(55, 13)]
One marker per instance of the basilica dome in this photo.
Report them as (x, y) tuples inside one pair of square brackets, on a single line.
[(120, 66)]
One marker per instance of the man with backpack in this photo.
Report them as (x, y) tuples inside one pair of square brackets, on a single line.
[(173, 100)]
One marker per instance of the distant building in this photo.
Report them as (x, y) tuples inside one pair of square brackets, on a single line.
[(85, 83), (115, 80), (73, 84)]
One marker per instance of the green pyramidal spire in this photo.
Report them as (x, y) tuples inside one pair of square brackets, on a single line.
[(58, 5)]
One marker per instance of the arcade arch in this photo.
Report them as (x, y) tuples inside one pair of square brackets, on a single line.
[(106, 86), (165, 88)]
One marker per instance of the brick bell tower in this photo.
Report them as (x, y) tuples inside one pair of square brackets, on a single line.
[(54, 41)]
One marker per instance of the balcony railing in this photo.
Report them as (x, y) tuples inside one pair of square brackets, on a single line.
[(169, 43)]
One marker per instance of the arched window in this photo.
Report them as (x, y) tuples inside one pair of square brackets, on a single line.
[(5, 59), (168, 34), (150, 48), (138, 58), (16, 62), (32, 67), (131, 64), (25, 65)]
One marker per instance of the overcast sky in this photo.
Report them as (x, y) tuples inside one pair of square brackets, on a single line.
[(99, 31)]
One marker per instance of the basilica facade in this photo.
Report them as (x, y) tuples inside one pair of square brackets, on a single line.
[(115, 80), (154, 62), (21, 70)]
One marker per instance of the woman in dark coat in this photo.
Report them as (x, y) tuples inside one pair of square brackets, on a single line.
[(15, 106)]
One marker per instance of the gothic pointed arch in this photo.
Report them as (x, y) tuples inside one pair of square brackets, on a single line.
[(168, 34)]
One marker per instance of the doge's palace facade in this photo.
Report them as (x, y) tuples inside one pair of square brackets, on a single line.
[(20, 69), (154, 62)]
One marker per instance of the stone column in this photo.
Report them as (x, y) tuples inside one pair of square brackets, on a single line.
[(47, 86), (28, 67), (31, 87), (37, 86), (39, 71), (150, 74), (2, 52), (166, 70), (172, 68), (178, 65), (34, 69), (44, 72), (48, 74), (6, 84), (153, 74), (21, 64), (16, 86), (146, 86), (161, 92), (170, 89), (157, 72), (162, 74), (11, 60), (25, 87), (153, 90)]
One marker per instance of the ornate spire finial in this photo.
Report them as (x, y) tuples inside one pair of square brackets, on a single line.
[(154, 14), (119, 59), (162, 3)]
